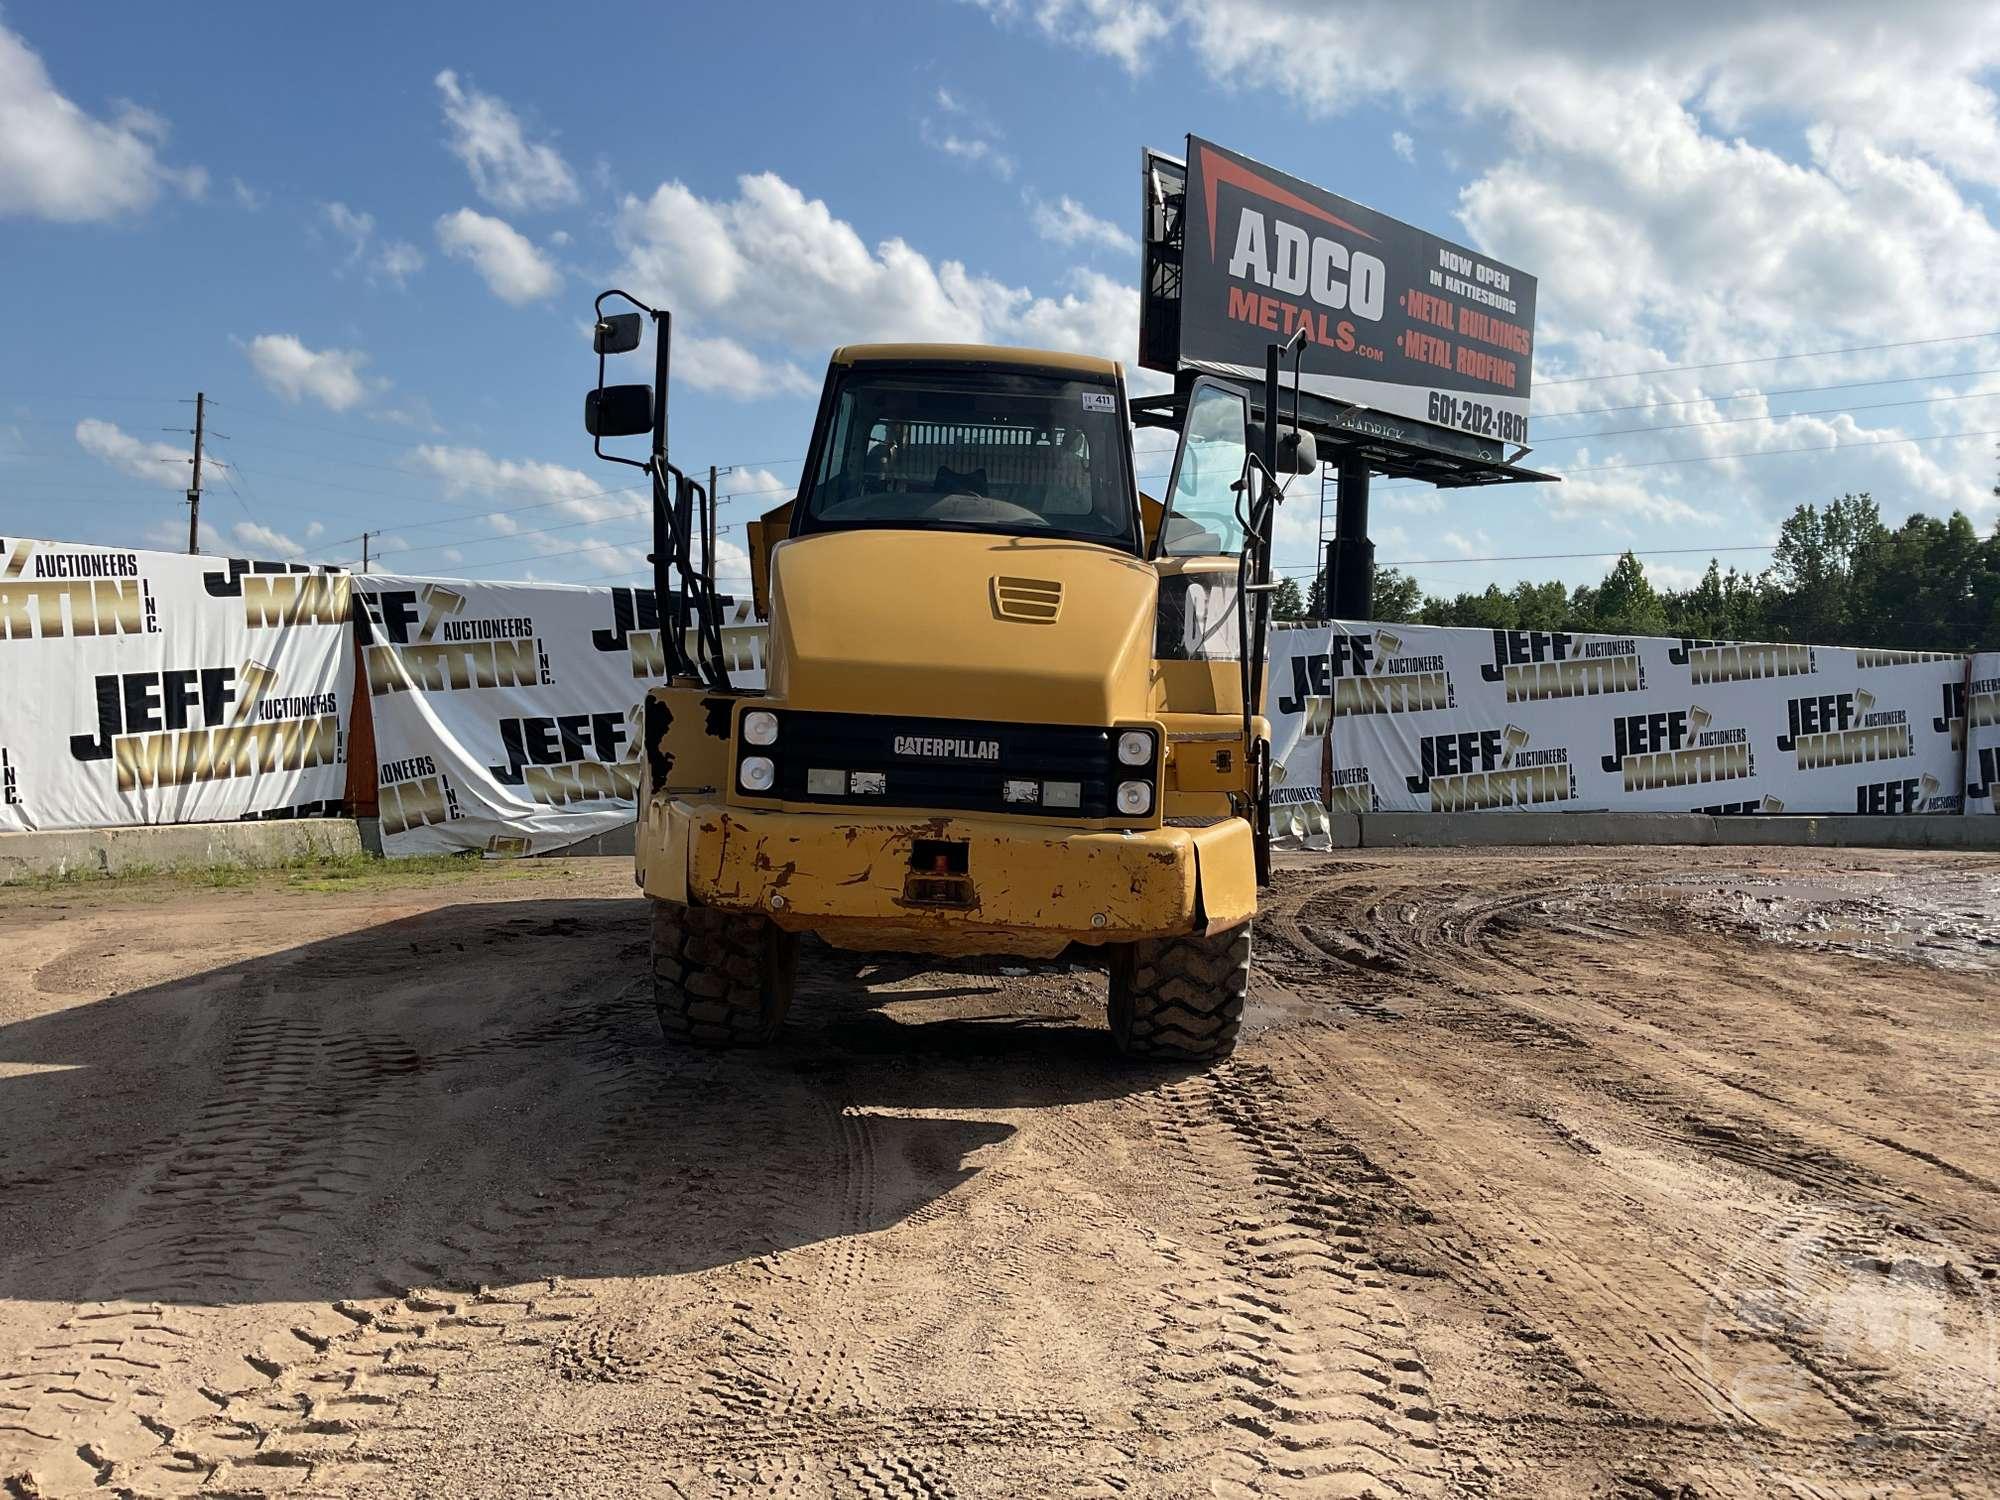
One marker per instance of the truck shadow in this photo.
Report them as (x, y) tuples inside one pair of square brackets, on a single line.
[(479, 1094)]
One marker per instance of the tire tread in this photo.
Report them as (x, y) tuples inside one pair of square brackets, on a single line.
[(720, 978), (1180, 998)]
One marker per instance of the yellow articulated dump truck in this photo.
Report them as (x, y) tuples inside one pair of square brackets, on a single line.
[(1011, 705)]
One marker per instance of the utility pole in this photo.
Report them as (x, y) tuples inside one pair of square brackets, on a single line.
[(194, 489), (364, 549), (708, 530)]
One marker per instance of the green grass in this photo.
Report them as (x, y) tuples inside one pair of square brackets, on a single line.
[(310, 872)]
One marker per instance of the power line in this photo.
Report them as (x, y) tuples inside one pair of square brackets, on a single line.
[(1766, 359), (618, 515), (1431, 562), (1789, 390), (1823, 411), (485, 515), (1592, 469), (47, 396), (1712, 458), (1717, 458), (502, 562), (509, 535)]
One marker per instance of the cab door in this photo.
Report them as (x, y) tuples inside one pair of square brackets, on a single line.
[(1198, 645)]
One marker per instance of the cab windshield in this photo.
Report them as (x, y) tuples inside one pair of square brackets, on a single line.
[(1021, 454)]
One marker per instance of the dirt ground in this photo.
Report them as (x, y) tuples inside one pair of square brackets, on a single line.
[(1577, 1173)]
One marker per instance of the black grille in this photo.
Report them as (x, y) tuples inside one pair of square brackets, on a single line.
[(943, 763)]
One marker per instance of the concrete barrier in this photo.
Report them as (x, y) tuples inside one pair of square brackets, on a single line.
[(1408, 830), (613, 843), (174, 846), (249, 845)]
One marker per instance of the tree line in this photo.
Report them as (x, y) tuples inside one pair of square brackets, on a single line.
[(1839, 577)]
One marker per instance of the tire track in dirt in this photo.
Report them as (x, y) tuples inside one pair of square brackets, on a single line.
[(301, 1121), (1436, 942), (298, 1121), (1664, 1335), (1277, 1324), (1471, 1158)]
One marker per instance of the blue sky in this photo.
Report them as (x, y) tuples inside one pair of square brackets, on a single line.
[(372, 236)]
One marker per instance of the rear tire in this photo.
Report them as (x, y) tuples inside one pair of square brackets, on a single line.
[(1180, 999), (721, 978)]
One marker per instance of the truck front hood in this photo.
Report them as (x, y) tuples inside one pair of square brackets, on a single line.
[(961, 625)]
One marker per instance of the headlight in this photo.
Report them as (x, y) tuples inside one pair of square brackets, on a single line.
[(760, 727), (1135, 748), (1134, 797), (757, 773)]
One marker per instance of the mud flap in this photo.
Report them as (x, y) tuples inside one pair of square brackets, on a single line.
[(663, 850), (1225, 874)]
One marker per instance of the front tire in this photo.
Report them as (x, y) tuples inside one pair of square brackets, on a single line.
[(721, 978), (1180, 999)]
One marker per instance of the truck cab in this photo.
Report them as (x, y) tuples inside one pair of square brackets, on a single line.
[(1006, 707)]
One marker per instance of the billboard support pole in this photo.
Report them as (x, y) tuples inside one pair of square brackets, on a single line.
[(1350, 556)]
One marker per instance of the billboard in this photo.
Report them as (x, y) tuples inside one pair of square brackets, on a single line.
[(1396, 320)]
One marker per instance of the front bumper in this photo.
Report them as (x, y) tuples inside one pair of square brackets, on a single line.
[(1030, 888)]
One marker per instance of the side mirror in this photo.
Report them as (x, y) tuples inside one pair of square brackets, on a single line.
[(618, 334), (618, 411), (1300, 448), (1297, 452)]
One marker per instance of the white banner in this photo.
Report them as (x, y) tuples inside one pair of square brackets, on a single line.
[(506, 715), (1982, 732), (152, 687), (1415, 718)]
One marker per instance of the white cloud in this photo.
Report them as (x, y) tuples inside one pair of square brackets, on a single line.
[(966, 134), (1126, 30), (1709, 183), (412, 411), (399, 260), (1671, 575), (1067, 222), (759, 488), (473, 471), (59, 163), (1477, 545), (772, 265), (314, 529), (247, 197), (171, 536), (1554, 66), (972, 149), (262, 539), (1413, 499), (395, 260), (350, 225), (1403, 146), (732, 564), (514, 270), (1616, 500), (508, 169), (331, 377), (164, 464), (725, 366)]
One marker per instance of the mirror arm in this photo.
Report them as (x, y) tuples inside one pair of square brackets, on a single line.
[(659, 421)]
